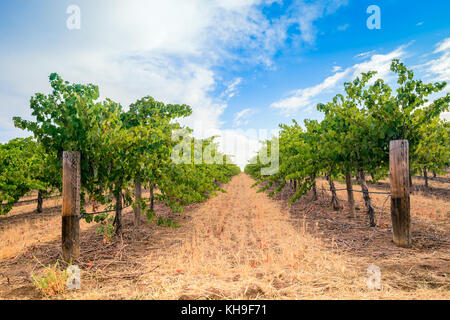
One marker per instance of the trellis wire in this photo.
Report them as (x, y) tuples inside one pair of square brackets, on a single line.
[(101, 212), (33, 200), (375, 192)]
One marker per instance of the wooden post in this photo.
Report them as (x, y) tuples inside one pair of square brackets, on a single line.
[(71, 206), (400, 205)]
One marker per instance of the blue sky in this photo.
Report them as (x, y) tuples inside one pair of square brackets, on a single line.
[(241, 64)]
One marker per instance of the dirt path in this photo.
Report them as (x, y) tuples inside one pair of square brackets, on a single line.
[(421, 271), (237, 245), (241, 245)]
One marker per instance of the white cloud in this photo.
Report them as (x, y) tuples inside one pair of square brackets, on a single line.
[(440, 68), (241, 117), (167, 49), (445, 116), (305, 14), (306, 98), (243, 144), (378, 62), (231, 90), (343, 27), (443, 46), (239, 143), (364, 55)]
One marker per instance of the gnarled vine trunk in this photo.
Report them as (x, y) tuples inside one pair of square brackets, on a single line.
[(138, 194), (350, 198), (334, 199), (366, 196), (152, 197), (118, 218), (425, 175), (314, 187), (40, 201)]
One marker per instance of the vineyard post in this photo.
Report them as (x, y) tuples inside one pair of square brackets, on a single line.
[(400, 186), (71, 206)]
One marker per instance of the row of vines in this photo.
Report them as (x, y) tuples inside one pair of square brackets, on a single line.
[(353, 137), (121, 151)]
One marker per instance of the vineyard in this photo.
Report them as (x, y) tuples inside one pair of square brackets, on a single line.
[(132, 198), (355, 135)]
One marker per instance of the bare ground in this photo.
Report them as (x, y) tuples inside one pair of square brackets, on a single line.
[(424, 266)]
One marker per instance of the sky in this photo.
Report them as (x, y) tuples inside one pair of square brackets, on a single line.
[(244, 66)]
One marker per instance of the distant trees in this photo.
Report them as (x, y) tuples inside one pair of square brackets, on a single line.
[(25, 167), (433, 151)]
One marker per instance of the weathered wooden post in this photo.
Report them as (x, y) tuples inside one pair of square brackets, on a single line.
[(71, 206), (400, 203)]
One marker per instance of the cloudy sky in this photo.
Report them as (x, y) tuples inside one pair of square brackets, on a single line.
[(243, 65)]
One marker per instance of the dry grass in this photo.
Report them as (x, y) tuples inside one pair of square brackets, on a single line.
[(239, 245), (243, 246), (425, 206), (24, 229)]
